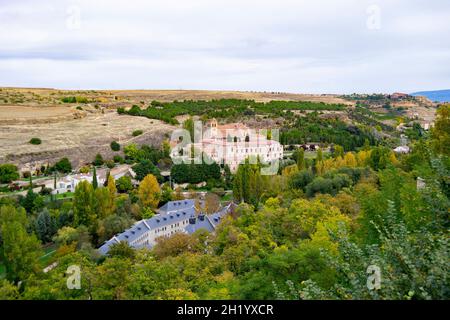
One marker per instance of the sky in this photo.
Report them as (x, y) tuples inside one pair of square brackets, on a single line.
[(320, 46)]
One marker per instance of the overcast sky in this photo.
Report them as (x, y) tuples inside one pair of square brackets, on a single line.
[(320, 46)]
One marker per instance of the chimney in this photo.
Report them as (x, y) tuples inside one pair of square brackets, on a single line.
[(201, 216)]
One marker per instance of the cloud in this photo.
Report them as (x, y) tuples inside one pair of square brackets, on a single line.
[(298, 46)]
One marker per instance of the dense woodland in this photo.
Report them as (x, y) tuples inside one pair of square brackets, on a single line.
[(223, 108), (309, 232)]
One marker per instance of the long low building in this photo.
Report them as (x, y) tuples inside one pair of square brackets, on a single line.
[(173, 217)]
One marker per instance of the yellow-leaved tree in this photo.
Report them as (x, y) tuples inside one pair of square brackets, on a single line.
[(149, 192)]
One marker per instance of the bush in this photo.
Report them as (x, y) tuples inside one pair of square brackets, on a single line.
[(301, 179), (145, 167), (124, 184), (45, 191), (26, 174), (8, 173), (110, 164), (85, 169), (118, 159), (137, 133), (115, 146), (63, 166), (35, 141), (98, 161)]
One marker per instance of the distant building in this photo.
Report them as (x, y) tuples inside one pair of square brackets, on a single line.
[(399, 96), (420, 183), (69, 183), (402, 149), (173, 217), (232, 143)]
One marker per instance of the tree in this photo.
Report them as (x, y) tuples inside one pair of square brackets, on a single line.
[(102, 202), (84, 205), (167, 194), (8, 173), (149, 192), (379, 158), (112, 225), (111, 185), (301, 179), (98, 161), (46, 226), (35, 141), (144, 168), (63, 166), (350, 160), (441, 131), (115, 146), (338, 151), (188, 125), (32, 201), (94, 178), (177, 244), (212, 202), (121, 250), (300, 159), (124, 184), (166, 149), (19, 251)]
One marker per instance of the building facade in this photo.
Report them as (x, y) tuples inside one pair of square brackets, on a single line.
[(231, 144), (174, 217)]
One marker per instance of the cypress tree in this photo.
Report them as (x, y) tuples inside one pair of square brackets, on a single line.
[(94, 179)]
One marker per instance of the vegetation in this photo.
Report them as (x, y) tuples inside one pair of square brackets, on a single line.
[(63, 166), (115, 146), (35, 141), (8, 173), (223, 108), (312, 231), (137, 133)]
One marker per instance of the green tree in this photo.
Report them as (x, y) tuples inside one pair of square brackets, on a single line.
[(94, 179), (84, 205), (144, 168), (98, 161), (102, 202), (20, 251), (46, 226), (8, 173), (300, 158), (124, 184), (441, 131), (115, 146), (63, 166)]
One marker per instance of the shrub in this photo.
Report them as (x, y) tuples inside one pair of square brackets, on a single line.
[(115, 146), (63, 166), (301, 179), (118, 159), (98, 161), (26, 174), (124, 184), (137, 133), (85, 169), (35, 141), (110, 164)]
